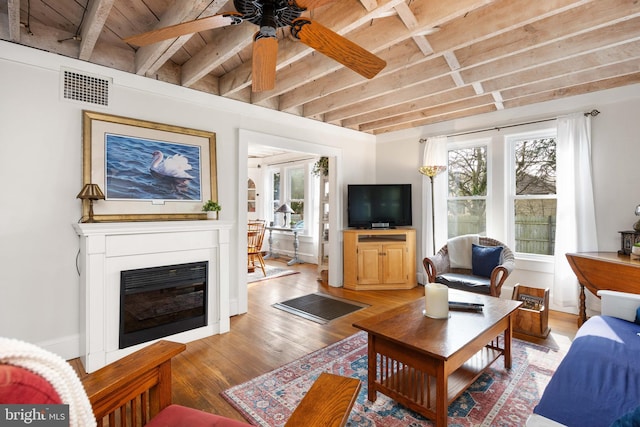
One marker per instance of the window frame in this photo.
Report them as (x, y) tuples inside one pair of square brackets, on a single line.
[(510, 194), (488, 198), (285, 193)]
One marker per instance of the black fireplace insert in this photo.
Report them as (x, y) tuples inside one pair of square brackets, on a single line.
[(160, 301)]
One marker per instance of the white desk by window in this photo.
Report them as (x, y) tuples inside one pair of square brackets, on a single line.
[(296, 244)]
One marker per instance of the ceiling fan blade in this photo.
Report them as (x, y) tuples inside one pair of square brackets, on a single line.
[(335, 46), (311, 4), (177, 30), (265, 54)]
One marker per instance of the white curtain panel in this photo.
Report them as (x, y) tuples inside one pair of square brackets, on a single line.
[(435, 153), (575, 216)]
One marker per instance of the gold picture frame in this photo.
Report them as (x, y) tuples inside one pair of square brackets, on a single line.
[(148, 171)]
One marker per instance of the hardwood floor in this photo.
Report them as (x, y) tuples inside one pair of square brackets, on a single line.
[(265, 338)]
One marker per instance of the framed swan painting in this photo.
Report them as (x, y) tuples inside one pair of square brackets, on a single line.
[(148, 171)]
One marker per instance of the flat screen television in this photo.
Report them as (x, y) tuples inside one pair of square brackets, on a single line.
[(379, 205)]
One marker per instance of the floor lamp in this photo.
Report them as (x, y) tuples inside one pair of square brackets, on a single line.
[(434, 162)]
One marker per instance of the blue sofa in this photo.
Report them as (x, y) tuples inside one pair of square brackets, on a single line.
[(598, 381)]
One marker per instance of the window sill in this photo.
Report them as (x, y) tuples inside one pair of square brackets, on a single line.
[(532, 262)]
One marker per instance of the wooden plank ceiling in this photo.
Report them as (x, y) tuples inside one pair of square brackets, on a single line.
[(445, 59)]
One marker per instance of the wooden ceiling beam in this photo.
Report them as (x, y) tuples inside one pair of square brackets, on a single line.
[(411, 22), (438, 13), (631, 66), (445, 94), (227, 42), (525, 87), (13, 20), (525, 12), (566, 25), (400, 56), (566, 67), (444, 116), (96, 16), (491, 67), (551, 52), (575, 90), (498, 18), (400, 80), (412, 116), (151, 57), (526, 90)]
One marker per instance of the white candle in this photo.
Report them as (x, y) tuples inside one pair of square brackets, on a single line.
[(436, 300)]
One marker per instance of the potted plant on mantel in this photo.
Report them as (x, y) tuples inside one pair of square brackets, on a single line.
[(211, 208)]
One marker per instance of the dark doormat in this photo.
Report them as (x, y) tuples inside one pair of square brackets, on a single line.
[(319, 308)]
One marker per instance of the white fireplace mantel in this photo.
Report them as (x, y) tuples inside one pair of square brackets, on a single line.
[(106, 249)]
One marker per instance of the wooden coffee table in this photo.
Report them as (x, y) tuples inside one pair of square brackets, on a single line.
[(424, 363)]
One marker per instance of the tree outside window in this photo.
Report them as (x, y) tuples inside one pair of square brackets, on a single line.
[(534, 198), (467, 191), (531, 194)]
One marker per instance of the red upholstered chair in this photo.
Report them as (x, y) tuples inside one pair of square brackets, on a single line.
[(133, 388), (18, 385), (136, 391)]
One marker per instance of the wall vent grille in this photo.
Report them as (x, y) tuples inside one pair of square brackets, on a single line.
[(84, 87)]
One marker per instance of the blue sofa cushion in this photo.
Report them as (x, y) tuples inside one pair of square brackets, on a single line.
[(484, 259), (466, 282), (598, 380)]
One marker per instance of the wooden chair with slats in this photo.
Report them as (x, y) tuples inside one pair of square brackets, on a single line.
[(255, 237)]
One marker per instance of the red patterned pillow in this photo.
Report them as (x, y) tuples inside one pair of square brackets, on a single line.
[(18, 385)]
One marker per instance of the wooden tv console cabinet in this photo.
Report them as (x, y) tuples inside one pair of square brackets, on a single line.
[(379, 259)]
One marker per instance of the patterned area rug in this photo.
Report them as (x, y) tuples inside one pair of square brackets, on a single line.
[(272, 273), (498, 398)]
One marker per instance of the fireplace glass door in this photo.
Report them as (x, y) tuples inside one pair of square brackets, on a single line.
[(161, 301)]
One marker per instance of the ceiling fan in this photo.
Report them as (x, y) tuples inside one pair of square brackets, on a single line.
[(270, 15)]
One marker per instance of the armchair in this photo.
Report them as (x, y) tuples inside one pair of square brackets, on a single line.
[(136, 391), (439, 270)]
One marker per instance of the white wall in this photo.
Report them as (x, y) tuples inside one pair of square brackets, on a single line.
[(41, 174), (615, 151)]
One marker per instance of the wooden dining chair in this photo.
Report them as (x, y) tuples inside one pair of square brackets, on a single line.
[(255, 236)]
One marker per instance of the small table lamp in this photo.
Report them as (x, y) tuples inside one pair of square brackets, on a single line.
[(285, 209), (90, 192)]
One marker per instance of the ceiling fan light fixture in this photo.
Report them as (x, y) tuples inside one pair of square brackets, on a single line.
[(266, 31)]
